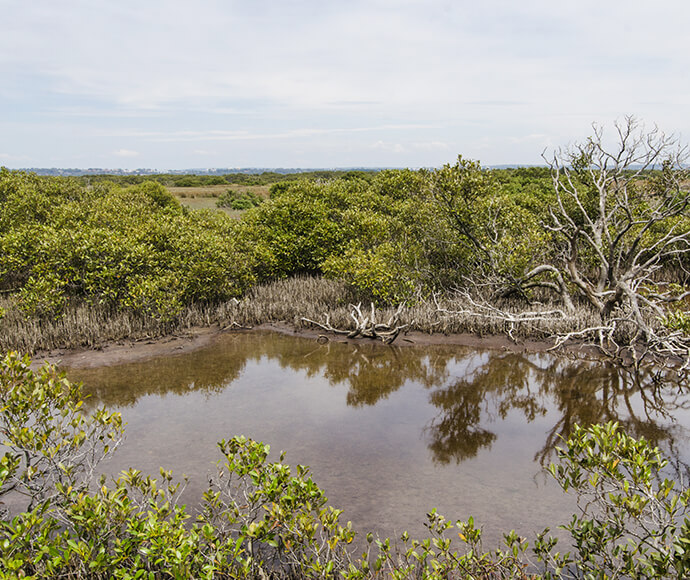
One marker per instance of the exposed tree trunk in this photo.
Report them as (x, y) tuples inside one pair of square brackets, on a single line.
[(618, 212)]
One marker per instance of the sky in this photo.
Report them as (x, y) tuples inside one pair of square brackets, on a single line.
[(176, 84)]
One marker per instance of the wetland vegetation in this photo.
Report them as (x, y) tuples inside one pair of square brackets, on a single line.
[(592, 249)]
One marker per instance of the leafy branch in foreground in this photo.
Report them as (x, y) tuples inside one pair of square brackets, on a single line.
[(632, 523), (52, 444)]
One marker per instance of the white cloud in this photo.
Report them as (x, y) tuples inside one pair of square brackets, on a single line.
[(432, 146), (12, 158), (389, 147), (125, 153), (223, 135), (433, 71)]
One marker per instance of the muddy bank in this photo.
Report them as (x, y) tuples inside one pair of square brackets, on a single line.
[(92, 335), (128, 350)]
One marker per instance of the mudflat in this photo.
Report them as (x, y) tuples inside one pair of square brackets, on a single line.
[(127, 350)]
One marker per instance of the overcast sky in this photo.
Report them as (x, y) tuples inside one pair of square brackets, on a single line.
[(172, 84)]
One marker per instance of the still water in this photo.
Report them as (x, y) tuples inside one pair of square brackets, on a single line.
[(389, 432)]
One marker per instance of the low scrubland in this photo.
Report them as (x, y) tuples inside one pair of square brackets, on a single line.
[(579, 251), (83, 265)]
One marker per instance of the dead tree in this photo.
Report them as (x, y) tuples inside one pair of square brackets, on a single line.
[(366, 325), (621, 215)]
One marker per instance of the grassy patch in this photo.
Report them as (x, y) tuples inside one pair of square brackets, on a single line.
[(205, 197)]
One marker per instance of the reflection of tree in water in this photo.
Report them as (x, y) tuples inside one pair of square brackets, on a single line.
[(493, 385), (457, 433), (642, 401), (581, 393), (372, 372), (207, 371)]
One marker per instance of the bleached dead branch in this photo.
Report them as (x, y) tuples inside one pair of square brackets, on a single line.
[(366, 326), (488, 311)]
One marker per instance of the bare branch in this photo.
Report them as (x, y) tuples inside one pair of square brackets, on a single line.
[(621, 224), (488, 311), (366, 326)]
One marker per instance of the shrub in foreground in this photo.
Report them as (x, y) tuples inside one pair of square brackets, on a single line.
[(259, 519)]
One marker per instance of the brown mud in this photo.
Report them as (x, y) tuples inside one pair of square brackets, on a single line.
[(127, 350)]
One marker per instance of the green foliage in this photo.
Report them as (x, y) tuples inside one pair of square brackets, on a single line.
[(256, 517), (365, 231), (239, 200), (393, 236), (280, 520), (677, 320), (379, 272), (158, 194), (632, 523), (303, 225), (437, 557), (494, 219), (278, 188), (51, 444), (43, 294), (135, 528), (401, 234), (135, 248)]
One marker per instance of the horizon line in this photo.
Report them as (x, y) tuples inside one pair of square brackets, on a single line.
[(76, 171)]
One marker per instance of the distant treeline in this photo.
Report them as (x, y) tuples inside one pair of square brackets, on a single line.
[(213, 172), (203, 180), (270, 177)]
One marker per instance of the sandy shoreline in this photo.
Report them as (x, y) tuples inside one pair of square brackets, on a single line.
[(127, 350)]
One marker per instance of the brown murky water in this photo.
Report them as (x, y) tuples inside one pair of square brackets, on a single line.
[(388, 432)]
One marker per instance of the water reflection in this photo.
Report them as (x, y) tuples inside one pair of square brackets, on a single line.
[(472, 392), (643, 401), (389, 433)]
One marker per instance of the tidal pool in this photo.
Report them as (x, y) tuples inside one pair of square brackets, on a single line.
[(389, 432)]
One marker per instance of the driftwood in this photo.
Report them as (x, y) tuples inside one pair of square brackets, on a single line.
[(488, 311), (660, 347), (633, 347), (366, 326)]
